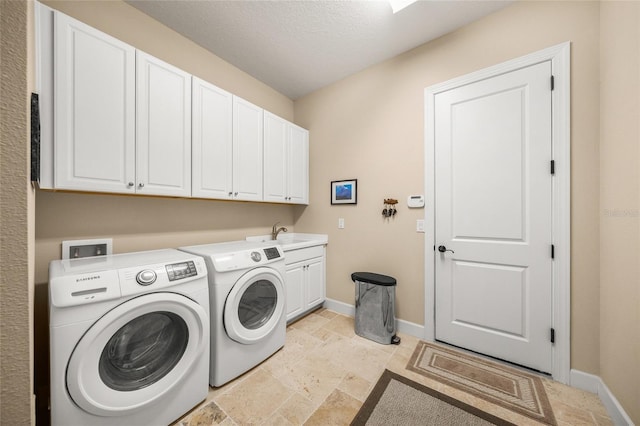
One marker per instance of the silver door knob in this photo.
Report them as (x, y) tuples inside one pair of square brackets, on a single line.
[(141, 185), (130, 184)]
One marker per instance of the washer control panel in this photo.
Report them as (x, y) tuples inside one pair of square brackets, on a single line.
[(146, 277), (272, 253), (89, 280), (256, 256), (246, 258), (179, 271)]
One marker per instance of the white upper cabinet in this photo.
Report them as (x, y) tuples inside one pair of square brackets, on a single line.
[(163, 128), (94, 83), (212, 142), (286, 161), (298, 161), (115, 119), (247, 150), (275, 158)]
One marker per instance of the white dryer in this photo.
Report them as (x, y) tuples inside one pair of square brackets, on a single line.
[(129, 338), (247, 299)]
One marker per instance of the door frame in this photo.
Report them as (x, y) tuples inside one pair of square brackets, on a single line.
[(560, 57)]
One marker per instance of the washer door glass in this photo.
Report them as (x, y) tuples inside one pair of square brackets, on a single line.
[(143, 351), (257, 304)]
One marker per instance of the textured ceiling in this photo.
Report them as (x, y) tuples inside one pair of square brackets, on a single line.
[(297, 47)]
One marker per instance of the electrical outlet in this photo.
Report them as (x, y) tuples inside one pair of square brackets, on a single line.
[(76, 249), (420, 225), (341, 223)]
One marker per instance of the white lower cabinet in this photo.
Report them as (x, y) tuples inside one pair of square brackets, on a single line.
[(305, 280)]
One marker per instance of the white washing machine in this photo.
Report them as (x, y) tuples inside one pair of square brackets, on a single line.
[(129, 338), (247, 299)]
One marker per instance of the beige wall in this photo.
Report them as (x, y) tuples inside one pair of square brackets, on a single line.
[(16, 213), (620, 202), (370, 126), (145, 223)]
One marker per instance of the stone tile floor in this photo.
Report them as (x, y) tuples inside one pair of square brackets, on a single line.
[(325, 372)]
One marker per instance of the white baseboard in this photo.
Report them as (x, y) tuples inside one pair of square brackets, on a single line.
[(406, 327), (594, 384), (340, 307)]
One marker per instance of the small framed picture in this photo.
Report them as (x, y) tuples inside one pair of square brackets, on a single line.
[(344, 191)]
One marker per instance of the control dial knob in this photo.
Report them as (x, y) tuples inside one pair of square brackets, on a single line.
[(146, 277), (256, 256)]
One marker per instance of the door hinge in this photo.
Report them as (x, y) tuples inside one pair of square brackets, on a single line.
[(553, 83), (553, 335), (553, 167), (553, 251)]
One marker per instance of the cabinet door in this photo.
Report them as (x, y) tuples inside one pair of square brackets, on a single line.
[(94, 83), (275, 158), (247, 150), (294, 283), (212, 142), (164, 128), (315, 282), (298, 165)]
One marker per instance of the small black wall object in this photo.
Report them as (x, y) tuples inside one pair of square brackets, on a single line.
[(35, 138)]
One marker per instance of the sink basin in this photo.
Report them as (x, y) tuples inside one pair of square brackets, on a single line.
[(292, 241), (285, 241)]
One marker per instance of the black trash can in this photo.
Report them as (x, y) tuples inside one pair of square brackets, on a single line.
[(375, 307)]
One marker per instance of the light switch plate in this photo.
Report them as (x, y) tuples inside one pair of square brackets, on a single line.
[(341, 223), (420, 225)]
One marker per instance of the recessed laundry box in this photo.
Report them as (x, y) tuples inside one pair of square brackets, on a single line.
[(375, 307)]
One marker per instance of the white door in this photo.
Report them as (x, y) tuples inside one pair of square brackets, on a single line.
[(247, 150), (212, 141), (94, 109), (164, 128), (493, 216)]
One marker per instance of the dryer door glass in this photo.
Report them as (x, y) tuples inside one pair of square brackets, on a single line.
[(143, 351), (257, 304)]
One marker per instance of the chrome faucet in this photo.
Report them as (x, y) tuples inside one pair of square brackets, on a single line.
[(275, 230)]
